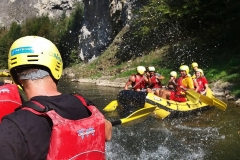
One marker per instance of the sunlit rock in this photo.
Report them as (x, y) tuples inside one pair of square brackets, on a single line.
[(20, 10), (221, 88), (238, 103)]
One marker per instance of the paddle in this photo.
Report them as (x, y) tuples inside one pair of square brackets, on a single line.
[(192, 95), (160, 113), (153, 100), (219, 104), (111, 106), (211, 101), (135, 117)]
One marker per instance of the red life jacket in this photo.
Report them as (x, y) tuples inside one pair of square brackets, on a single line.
[(9, 99), (155, 83), (179, 83), (201, 83), (178, 94), (139, 82), (75, 139)]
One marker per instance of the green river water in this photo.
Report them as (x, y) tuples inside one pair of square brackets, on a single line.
[(209, 135)]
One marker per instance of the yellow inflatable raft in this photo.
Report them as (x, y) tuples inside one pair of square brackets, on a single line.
[(131, 99)]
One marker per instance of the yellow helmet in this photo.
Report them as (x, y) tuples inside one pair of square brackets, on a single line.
[(184, 68), (194, 64), (200, 70), (151, 69), (174, 74), (35, 50), (141, 69)]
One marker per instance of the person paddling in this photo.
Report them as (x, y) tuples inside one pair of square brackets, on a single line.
[(172, 82), (184, 82), (138, 81), (50, 125), (155, 79)]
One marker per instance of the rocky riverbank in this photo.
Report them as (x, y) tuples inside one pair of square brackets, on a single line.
[(103, 81)]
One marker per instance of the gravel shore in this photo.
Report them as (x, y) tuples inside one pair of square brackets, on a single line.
[(104, 81)]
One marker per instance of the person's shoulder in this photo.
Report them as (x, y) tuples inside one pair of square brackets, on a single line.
[(132, 77), (17, 113), (20, 117), (204, 78), (189, 77)]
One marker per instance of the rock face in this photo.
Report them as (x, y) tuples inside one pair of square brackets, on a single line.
[(102, 21), (19, 10)]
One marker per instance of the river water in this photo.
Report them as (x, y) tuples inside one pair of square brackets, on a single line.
[(209, 135)]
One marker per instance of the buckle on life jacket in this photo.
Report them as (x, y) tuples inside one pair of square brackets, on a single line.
[(35, 106)]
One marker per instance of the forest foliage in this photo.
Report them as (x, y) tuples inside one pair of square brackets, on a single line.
[(197, 25)]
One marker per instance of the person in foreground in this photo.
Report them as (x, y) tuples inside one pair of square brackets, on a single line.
[(50, 125)]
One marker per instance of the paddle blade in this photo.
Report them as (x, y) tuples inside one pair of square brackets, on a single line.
[(192, 95), (160, 113), (219, 104), (206, 100), (138, 116), (135, 117), (111, 106)]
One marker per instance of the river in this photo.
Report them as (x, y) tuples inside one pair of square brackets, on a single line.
[(212, 134), (209, 135)]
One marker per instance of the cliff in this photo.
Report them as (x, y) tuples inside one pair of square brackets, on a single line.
[(19, 10), (102, 22), (102, 19)]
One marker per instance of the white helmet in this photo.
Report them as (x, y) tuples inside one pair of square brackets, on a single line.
[(141, 69), (151, 69), (174, 74), (200, 70)]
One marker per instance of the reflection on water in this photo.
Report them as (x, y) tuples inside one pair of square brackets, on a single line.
[(210, 135)]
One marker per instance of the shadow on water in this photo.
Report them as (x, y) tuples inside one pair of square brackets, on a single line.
[(208, 135)]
